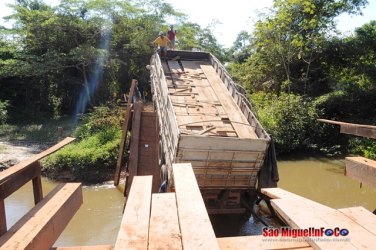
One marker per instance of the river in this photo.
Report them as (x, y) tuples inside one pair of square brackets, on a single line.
[(98, 219)]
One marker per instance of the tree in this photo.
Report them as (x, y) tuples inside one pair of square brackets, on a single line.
[(290, 39)]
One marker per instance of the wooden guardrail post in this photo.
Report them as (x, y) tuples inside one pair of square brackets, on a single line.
[(37, 183), (126, 126)]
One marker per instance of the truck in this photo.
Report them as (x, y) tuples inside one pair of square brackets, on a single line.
[(205, 119)]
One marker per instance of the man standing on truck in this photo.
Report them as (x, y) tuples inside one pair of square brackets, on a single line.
[(171, 33), (162, 42)]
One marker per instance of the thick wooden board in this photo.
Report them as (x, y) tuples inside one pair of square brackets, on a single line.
[(148, 149), (301, 214), (43, 224), (361, 169), (238, 120), (260, 242), (133, 153), (133, 233), (354, 129), (101, 247), (361, 216), (196, 229), (164, 232), (125, 128)]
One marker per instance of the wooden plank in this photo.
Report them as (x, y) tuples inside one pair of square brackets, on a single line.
[(133, 233), (124, 135), (133, 153), (300, 214), (196, 229), (354, 129), (222, 143), (43, 224), (361, 169), (236, 116), (8, 173), (361, 216), (164, 232), (99, 247), (260, 242)]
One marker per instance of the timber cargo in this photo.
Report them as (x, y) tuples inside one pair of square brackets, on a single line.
[(206, 120)]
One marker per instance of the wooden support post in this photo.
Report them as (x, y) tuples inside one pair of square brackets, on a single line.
[(3, 220), (123, 141), (37, 183), (196, 229), (135, 139), (43, 224)]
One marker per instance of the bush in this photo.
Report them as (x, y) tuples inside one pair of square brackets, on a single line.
[(3, 111), (290, 119), (363, 146), (96, 149)]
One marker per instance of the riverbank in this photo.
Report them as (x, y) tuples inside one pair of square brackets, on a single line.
[(13, 152)]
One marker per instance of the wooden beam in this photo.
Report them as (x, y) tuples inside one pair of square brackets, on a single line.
[(43, 224), (127, 119), (354, 129), (164, 232), (133, 233), (302, 214), (99, 247), (135, 141), (261, 242), (361, 216), (361, 169), (196, 229)]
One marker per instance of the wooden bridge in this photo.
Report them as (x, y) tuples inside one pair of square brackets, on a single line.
[(175, 220)]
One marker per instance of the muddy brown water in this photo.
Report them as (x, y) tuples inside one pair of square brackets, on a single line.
[(98, 219)]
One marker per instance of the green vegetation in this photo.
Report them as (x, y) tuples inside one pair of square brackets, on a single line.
[(309, 72), (78, 58), (96, 150)]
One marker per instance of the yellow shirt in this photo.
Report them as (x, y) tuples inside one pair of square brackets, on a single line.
[(162, 42)]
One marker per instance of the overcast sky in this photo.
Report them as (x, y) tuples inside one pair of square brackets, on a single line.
[(234, 15)]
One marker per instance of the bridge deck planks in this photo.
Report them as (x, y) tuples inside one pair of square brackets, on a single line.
[(134, 228), (196, 228), (43, 224), (164, 231)]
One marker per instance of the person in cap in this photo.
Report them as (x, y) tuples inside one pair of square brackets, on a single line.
[(171, 33), (162, 43)]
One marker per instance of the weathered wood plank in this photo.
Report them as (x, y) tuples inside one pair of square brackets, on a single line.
[(134, 228), (301, 214), (354, 129), (361, 216), (361, 169), (164, 232), (133, 153), (196, 229), (125, 128), (43, 224), (238, 120), (260, 242), (100, 247)]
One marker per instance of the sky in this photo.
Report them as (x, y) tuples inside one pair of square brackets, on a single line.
[(234, 15)]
